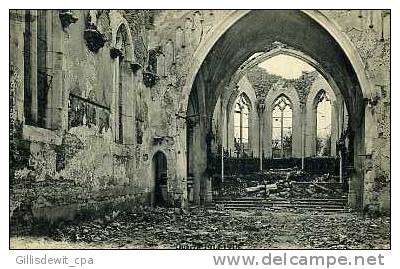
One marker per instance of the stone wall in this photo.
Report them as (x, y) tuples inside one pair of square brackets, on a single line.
[(369, 31), (77, 168)]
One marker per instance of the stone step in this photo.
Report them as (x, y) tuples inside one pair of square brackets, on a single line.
[(337, 204), (313, 209), (333, 210), (304, 183), (265, 202), (283, 201), (282, 205), (309, 205)]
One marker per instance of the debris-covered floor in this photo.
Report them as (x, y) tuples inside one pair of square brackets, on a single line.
[(165, 228), (281, 184)]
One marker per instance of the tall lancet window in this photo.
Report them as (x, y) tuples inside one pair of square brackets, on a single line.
[(241, 123), (324, 130), (282, 128), (37, 75), (123, 75)]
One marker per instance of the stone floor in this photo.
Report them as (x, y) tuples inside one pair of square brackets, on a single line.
[(165, 228)]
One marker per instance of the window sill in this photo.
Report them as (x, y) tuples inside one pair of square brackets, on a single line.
[(37, 134)]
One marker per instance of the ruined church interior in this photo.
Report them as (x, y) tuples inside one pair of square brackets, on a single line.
[(196, 129)]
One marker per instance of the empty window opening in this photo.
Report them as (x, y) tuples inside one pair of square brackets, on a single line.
[(282, 128)]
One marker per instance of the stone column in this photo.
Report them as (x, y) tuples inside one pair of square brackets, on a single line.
[(222, 128), (17, 26), (267, 131), (303, 123), (196, 169), (260, 112), (334, 127), (311, 132), (355, 169), (181, 166), (56, 94), (47, 27), (33, 65), (190, 123)]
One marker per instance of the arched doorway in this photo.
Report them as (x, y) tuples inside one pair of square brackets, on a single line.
[(160, 176), (228, 48)]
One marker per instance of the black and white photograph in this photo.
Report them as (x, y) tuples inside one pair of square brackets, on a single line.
[(199, 129)]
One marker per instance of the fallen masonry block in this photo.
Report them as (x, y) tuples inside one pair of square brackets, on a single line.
[(255, 189), (322, 187), (271, 187)]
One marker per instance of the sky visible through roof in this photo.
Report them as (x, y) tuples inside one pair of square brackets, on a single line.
[(286, 66)]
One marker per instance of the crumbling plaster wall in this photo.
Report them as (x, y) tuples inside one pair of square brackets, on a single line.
[(91, 156), (369, 32), (77, 168)]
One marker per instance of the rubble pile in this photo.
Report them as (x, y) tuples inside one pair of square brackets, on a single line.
[(166, 228), (159, 228), (235, 187), (282, 183)]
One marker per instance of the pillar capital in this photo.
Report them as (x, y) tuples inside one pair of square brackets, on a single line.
[(260, 106), (303, 105)]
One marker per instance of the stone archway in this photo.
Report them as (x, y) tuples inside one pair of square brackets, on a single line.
[(331, 27), (225, 49)]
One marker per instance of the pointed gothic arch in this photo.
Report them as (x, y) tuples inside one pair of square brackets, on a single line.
[(224, 50)]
